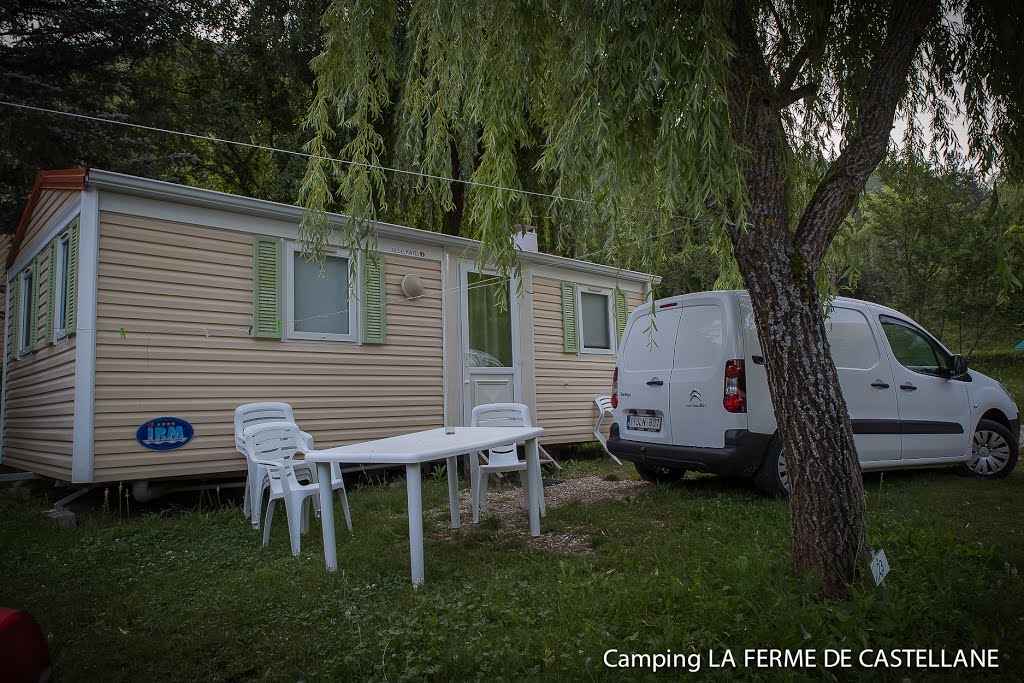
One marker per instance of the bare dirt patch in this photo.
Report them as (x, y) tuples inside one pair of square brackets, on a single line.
[(507, 503)]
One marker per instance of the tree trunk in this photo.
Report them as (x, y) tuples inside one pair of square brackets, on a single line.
[(779, 266), (453, 218), (827, 515)]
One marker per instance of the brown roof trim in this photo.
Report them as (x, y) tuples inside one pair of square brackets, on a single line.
[(66, 179)]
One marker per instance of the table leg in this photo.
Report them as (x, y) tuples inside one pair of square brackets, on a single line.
[(323, 474), (533, 477), (453, 490), (413, 486), (474, 468)]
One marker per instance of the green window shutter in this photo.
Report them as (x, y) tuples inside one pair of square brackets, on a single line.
[(621, 313), (51, 280), (71, 296), (375, 328), (570, 338), (14, 312), (33, 303), (267, 272)]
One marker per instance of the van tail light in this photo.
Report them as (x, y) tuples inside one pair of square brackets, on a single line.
[(615, 388), (735, 398)]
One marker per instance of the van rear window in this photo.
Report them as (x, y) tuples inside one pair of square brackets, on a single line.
[(699, 342), (649, 342)]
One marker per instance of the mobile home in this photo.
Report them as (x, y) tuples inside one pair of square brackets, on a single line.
[(133, 305)]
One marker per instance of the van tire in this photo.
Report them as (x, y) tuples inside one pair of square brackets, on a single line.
[(994, 452), (658, 475), (770, 478)]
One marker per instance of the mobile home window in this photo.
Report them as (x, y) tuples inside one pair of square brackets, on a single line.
[(25, 320), (61, 285), (595, 322), (322, 307)]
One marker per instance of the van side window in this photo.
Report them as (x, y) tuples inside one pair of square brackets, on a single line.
[(850, 337), (699, 344), (913, 349)]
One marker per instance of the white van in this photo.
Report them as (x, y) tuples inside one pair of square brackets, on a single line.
[(690, 392)]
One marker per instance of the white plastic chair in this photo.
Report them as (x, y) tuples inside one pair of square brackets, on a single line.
[(273, 445), (604, 407), (257, 482), (501, 458)]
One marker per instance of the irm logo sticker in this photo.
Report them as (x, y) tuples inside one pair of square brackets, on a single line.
[(164, 433)]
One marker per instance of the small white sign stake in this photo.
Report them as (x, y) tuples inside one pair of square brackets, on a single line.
[(879, 567)]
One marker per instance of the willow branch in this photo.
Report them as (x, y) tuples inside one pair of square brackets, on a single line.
[(847, 175)]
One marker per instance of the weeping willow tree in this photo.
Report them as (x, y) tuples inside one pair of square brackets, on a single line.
[(624, 124)]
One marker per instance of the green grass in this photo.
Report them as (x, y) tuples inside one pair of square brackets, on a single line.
[(189, 594), (1006, 366)]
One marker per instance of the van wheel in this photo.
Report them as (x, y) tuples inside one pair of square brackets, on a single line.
[(772, 477), (994, 452), (658, 475)]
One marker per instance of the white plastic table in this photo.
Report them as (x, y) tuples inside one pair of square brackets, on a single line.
[(412, 450)]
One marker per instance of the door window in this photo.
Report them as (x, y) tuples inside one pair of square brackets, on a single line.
[(913, 349), (490, 321)]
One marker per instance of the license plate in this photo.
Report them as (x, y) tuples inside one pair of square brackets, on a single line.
[(643, 423)]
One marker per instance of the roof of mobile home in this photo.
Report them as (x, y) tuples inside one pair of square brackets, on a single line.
[(183, 194)]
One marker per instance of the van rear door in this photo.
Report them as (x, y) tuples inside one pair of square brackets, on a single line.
[(645, 366), (698, 376)]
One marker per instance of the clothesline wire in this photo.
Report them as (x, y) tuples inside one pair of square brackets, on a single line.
[(307, 155), (482, 283)]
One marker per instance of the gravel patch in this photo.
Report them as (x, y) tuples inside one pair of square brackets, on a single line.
[(508, 504)]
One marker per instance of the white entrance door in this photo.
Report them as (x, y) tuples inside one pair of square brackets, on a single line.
[(490, 340)]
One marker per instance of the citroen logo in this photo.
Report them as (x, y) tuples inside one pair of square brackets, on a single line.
[(695, 395)]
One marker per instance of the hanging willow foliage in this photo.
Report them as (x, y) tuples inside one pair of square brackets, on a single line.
[(619, 127), (620, 104)]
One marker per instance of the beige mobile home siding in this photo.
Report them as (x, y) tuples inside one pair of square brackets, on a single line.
[(50, 204), (40, 401), (163, 282), (566, 382)]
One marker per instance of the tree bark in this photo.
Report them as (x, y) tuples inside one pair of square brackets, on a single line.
[(827, 514), (779, 266)]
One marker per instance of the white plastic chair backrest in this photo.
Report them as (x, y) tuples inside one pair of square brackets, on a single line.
[(271, 441), (604, 403), (258, 413), (501, 415)]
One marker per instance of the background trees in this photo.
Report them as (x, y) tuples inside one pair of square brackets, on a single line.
[(233, 70), (79, 56), (931, 245), (668, 137)]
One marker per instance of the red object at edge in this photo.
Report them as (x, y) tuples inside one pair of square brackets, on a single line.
[(24, 655)]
